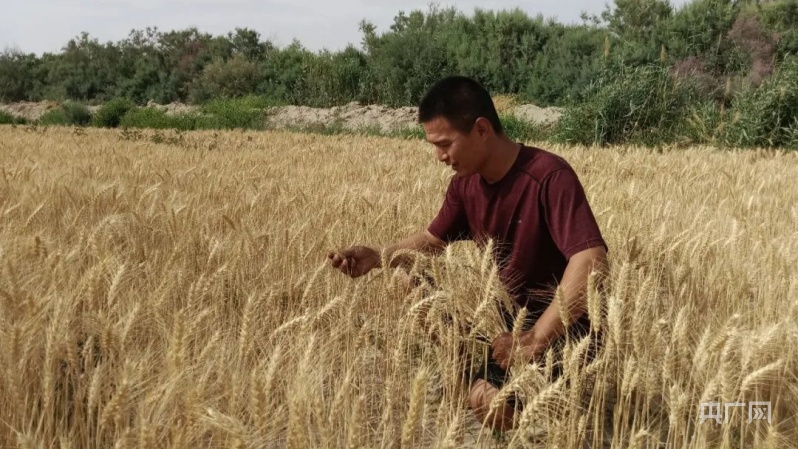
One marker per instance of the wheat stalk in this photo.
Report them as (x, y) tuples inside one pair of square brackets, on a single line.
[(416, 408)]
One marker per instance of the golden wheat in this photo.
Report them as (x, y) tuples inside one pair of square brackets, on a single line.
[(157, 294)]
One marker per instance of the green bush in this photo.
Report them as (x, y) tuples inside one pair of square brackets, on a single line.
[(7, 119), (767, 116), (522, 131), (644, 105), (69, 113), (232, 78), (792, 136), (158, 119), (703, 123), (76, 114), (147, 118), (54, 117), (200, 121), (255, 102), (111, 113), (246, 113)]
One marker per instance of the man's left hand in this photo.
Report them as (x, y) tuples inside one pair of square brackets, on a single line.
[(504, 349)]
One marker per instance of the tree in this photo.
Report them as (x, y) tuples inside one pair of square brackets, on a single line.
[(233, 78), (410, 57), (19, 78), (636, 19), (247, 42)]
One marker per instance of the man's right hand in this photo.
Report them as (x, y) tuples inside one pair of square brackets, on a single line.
[(355, 261)]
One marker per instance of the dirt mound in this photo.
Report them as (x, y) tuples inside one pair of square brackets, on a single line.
[(352, 116), (34, 110), (174, 108), (535, 114), (29, 110)]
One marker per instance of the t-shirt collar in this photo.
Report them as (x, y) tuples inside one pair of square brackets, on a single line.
[(513, 168)]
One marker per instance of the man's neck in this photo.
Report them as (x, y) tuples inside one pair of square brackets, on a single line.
[(503, 155)]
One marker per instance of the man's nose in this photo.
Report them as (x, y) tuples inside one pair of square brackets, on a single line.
[(442, 156)]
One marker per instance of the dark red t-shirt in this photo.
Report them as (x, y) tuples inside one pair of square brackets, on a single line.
[(538, 216)]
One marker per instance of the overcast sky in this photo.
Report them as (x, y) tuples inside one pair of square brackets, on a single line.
[(36, 26)]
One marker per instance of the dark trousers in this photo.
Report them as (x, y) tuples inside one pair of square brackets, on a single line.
[(495, 375), (491, 372)]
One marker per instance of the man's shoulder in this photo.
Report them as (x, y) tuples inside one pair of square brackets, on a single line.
[(539, 164), (535, 164)]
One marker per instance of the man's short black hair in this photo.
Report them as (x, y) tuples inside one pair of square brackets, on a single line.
[(461, 101)]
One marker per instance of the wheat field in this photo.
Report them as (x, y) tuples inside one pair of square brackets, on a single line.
[(170, 290)]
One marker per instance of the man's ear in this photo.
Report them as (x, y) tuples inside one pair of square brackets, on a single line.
[(483, 127)]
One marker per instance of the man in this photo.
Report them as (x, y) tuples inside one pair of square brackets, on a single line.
[(529, 201)]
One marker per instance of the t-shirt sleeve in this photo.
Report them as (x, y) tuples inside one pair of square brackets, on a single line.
[(571, 222), (451, 223)]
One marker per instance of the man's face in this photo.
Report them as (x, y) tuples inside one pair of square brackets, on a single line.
[(465, 153)]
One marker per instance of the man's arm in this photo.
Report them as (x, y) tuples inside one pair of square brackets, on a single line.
[(550, 325), (359, 260), (576, 233), (422, 241), (449, 225), (534, 343)]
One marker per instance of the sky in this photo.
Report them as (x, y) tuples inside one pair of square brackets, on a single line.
[(37, 26)]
